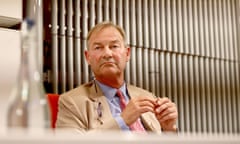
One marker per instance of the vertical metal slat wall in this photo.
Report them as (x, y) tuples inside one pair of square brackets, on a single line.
[(187, 50)]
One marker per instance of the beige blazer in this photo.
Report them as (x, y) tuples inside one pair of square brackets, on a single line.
[(79, 109)]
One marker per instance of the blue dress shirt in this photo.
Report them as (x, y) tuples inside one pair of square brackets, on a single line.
[(114, 102)]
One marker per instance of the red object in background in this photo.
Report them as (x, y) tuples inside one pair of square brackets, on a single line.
[(53, 105)]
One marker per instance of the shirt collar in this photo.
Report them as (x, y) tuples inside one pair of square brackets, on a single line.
[(110, 92)]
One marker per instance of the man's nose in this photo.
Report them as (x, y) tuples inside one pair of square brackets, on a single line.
[(107, 51)]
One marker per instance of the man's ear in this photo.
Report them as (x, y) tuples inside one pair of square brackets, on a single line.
[(87, 56), (128, 53)]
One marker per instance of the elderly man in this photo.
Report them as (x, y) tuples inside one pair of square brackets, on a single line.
[(108, 102)]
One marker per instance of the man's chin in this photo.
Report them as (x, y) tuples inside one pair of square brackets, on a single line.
[(109, 72)]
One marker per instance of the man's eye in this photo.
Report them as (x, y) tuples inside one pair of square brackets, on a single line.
[(97, 48), (115, 46)]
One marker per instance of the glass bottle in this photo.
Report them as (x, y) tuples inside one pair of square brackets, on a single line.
[(28, 107)]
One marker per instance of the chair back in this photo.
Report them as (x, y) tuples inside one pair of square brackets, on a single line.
[(53, 105)]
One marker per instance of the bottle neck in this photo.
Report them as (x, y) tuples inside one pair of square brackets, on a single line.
[(29, 66)]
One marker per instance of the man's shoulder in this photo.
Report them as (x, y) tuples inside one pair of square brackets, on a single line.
[(138, 90), (80, 90)]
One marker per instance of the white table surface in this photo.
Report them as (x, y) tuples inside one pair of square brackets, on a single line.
[(37, 137)]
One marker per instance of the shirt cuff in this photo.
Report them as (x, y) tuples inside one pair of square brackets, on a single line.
[(121, 123)]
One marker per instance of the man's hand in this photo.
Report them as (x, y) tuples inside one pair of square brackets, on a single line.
[(136, 107), (166, 113)]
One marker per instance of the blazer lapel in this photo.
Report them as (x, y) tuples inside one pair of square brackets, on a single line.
[(96, 95), (150, 122)]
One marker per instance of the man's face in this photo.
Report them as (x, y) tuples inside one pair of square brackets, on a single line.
[(107, 54)]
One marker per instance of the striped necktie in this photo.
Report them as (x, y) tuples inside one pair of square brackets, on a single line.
[(136, 126)]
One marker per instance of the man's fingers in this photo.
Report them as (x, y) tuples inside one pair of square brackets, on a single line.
[(161, 101), (167, 112), (169, 116)]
